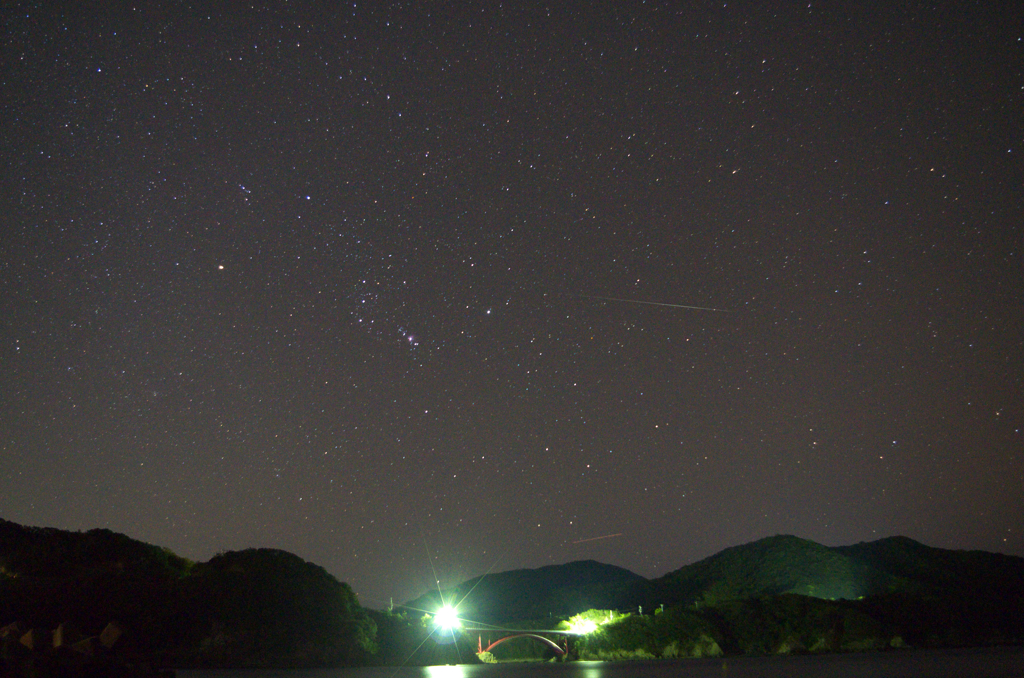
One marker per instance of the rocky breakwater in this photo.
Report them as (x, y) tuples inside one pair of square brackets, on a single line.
[(64, 652)]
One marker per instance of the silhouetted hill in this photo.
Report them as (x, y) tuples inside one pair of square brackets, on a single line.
[(269, 608), (771, 566), (781, 594), (258, 607), (912, 567), (533, 594), (947, 597), (88, 579), (48, 552), (891, 588), (787, 564), (266, 607)]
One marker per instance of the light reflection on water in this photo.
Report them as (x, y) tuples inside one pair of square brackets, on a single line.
[(444, 671), (976, 663), (516, 670)]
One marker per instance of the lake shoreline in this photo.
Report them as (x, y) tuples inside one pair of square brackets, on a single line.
[(986, 662)]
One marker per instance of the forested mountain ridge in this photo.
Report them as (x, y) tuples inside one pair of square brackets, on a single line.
[(913, 567), (269, 608), (257, 607), (49, 552), (776, 595), (772, 566)]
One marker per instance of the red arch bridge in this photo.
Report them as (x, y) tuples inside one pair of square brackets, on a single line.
[(523, 633)]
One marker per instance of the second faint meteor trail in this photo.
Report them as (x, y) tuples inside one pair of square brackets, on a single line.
[(649, 303), (607, 536)]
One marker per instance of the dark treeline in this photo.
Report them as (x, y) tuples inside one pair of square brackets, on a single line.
[(780, 594), (269, 608), (258, 607)]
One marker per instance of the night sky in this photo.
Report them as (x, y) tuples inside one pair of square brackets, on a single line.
[(363, 281)]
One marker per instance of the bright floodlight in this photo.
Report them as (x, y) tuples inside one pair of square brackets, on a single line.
[(582, 628), (447, 618)]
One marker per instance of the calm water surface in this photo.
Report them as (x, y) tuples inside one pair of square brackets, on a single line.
[(983, 663)]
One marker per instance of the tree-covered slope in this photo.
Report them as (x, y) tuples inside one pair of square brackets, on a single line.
[(912, 567), (970, 581), (258, 607), (266, 607), (269, 608), (771, 566), (48, 552), (945, 597)]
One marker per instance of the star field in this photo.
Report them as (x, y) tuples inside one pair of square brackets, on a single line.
[(357, 280)]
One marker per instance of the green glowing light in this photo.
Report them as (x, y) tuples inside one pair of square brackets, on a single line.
[(447, 618)]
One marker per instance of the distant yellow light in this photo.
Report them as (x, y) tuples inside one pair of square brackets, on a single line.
[(582, 628)]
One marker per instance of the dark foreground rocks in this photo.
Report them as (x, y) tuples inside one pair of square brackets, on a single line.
[(65, 653)]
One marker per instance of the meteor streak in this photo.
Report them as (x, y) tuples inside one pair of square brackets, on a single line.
[(649, 303), (607, 536)]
